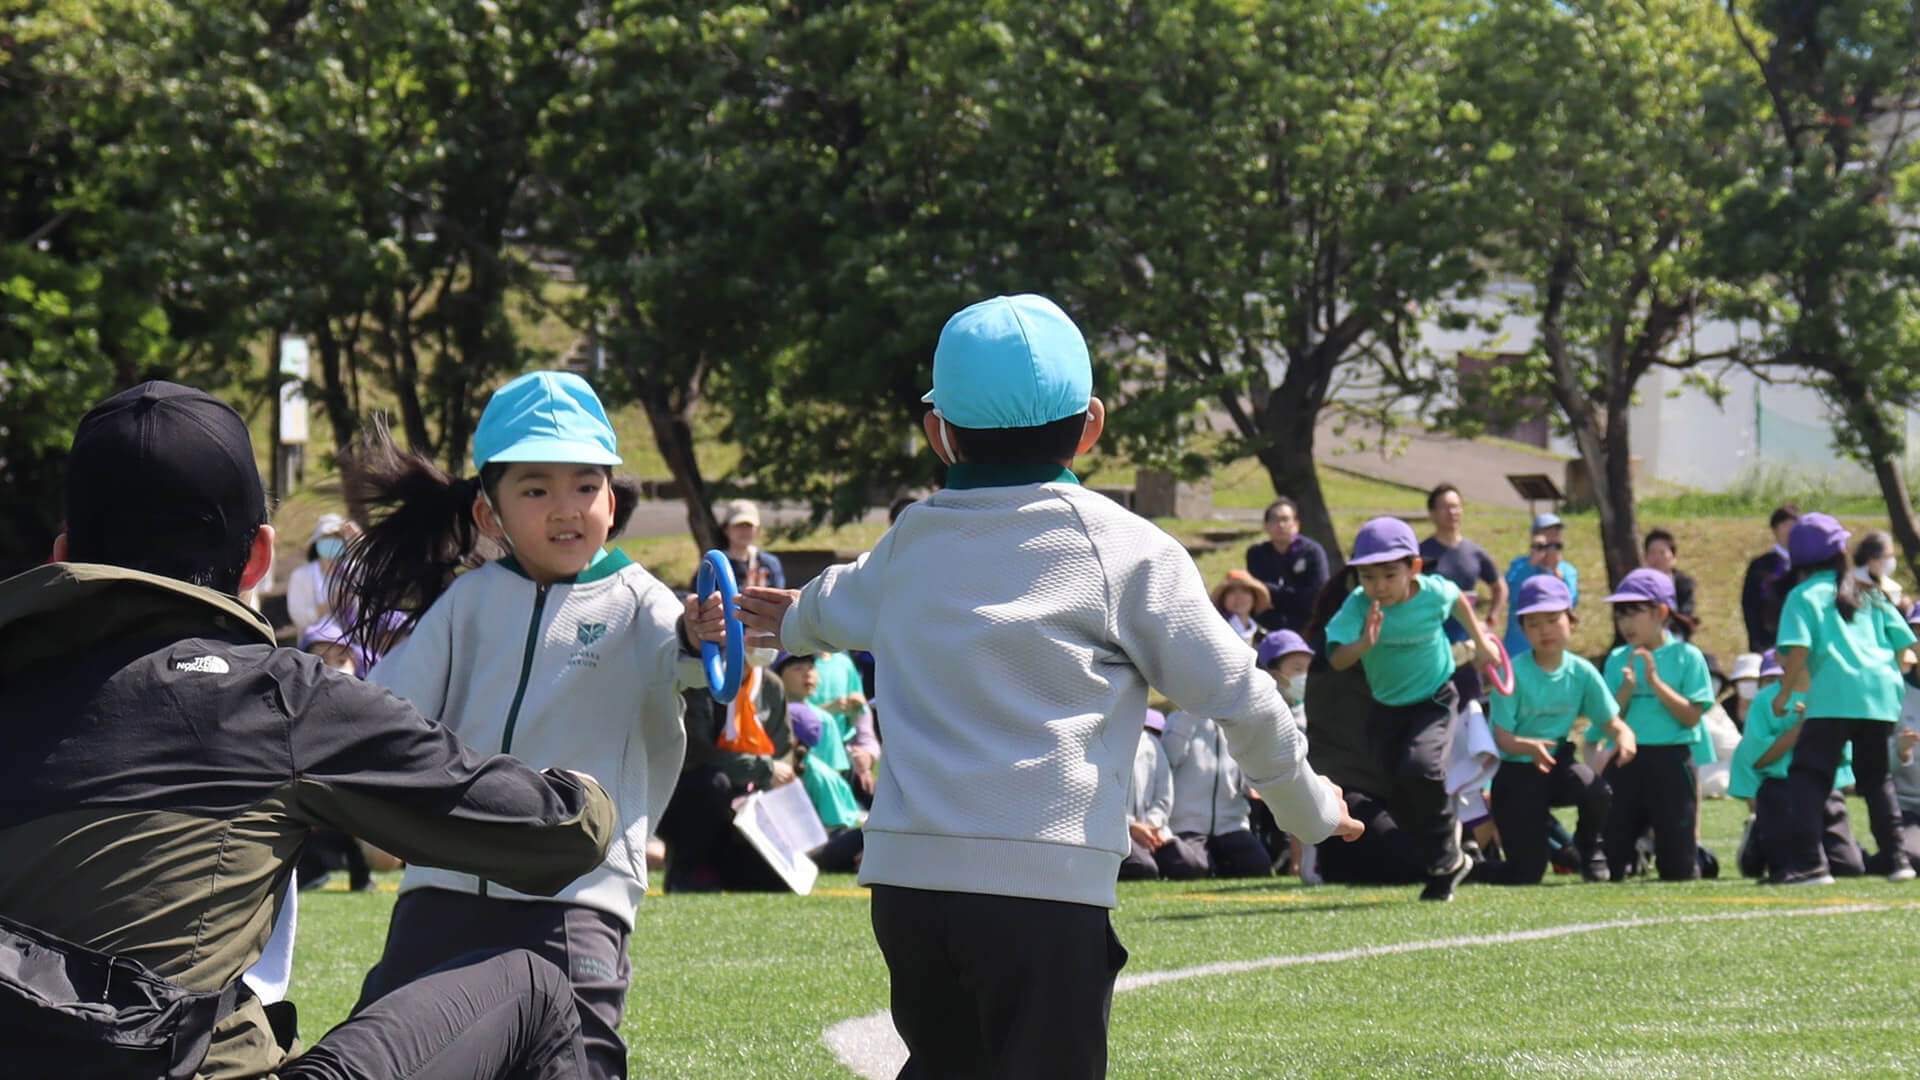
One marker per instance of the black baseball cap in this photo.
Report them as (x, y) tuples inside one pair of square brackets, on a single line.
[(160, 469)]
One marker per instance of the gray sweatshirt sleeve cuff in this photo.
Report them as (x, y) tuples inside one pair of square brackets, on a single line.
[(1308, 808)]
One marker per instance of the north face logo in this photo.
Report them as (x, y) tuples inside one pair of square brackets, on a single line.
[(206, 665), (590, 632)]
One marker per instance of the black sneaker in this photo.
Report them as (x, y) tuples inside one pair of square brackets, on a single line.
[(1440, 887)]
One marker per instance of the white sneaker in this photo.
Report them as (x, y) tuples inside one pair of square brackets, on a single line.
[(1905, 873), (1310, 865)]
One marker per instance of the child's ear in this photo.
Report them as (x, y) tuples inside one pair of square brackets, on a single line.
[(487, 518), (1418, 564), (1096, 423)]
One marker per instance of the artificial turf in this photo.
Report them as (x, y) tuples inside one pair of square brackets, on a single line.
[(1756, 982)]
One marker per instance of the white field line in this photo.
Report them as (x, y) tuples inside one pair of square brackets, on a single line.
[(871, 1048)]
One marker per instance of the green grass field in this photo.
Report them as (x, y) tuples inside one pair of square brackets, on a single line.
[(1712, 979)]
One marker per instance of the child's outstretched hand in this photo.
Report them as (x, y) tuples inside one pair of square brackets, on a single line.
[(760, 610)]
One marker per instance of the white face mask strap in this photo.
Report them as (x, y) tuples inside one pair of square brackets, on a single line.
[(502, 522), (942, 440)]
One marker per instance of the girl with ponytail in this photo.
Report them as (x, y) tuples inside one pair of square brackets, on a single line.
[(528, 636)]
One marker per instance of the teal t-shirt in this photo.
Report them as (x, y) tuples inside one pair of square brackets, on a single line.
[(1681, 667), (1743, 779), (839, 676), (1544, 704), (831, 751), (1413, 657), (1853, 673)]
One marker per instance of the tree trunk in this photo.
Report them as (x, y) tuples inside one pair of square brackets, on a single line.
[(673, 434), (1885, 449), (1291, 415), (333, 391), (1619, 525)]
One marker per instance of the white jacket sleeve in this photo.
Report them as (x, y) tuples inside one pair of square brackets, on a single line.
[(837, 611), (303, 594), (1166, 626)]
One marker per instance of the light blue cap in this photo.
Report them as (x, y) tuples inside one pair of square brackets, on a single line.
[(545, 416), (1010, 362)]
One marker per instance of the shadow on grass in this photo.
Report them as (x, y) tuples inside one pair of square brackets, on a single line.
[(1230, 910)]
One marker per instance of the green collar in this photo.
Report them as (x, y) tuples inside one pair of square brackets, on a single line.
[(605, 564), (962, 475)]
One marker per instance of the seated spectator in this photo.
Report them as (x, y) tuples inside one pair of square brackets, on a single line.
[(1241, 599), (732, 750), (1758, 775), (1904, 763), (1292, 565), (740, 520), (1210, 817), (309, 587), (1286, 656), (1149, 803), (1544, 557), (1662, 552), (842, 691), (1875, 563), (825, 770), (1745, 680)]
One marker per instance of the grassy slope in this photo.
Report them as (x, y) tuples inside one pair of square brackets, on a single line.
[(742, 985)]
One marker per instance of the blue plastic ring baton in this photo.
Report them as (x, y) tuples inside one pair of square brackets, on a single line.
[(723, 680)]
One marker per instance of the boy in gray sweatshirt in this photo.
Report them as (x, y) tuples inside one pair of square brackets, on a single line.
[(1024, 617)]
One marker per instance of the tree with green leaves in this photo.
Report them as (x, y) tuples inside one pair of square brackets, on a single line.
[(1820, 231), (1601, 133)]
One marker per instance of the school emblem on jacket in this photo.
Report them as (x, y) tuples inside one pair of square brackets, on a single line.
[(585, 636)]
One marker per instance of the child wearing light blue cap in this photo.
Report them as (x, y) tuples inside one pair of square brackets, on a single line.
[(1394, 626), (1533, 727), (1024, 617), (563, 653)]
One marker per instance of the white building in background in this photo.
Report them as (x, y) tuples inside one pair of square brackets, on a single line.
[(1680, 435)]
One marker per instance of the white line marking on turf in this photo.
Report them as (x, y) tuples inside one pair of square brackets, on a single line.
[(870, 1046)]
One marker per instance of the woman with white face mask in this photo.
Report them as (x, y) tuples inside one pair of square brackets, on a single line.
[(309, 587), (1875, 563)]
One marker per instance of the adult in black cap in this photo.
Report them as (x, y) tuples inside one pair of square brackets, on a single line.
[(165, 762)]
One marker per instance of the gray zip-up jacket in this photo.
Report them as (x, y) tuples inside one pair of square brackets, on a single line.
[(583, 674), (1023, 618), (1150, 799), (1209, 794)]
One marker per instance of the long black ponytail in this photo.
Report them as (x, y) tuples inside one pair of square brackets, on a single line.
[(420, 535)]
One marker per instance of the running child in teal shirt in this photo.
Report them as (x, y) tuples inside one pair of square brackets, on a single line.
[(1847, 645), (1533, 728), (1393, 626), (1663, 688), (1759, 775)]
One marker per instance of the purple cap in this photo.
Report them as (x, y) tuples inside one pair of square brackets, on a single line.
[(1281, 643), (1770, 664), (1543, 592), (1156, 720), (1816, 538), (1643, 586), (1913, 613), (1384, 539), (780, 661), (806, 724)]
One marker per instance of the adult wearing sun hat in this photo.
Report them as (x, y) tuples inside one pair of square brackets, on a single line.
[(1851, 645), (308, 599), (1242, 598)]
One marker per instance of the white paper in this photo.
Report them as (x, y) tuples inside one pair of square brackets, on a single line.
[(783, 826), (1473, 757)]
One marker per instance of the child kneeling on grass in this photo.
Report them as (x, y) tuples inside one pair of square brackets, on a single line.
[(1394, 626), (1662, 686), (1533, 728), (1024, 617), (1759, 775)]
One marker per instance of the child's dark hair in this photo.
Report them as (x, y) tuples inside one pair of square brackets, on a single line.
[(1434, 496), (1326, 605), (1782, 514), (1659, 536), (1873, 547), (420, 535), (1052, 442), (1848, 596)]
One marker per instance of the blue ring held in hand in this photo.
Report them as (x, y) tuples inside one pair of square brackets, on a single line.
[(723, 680)]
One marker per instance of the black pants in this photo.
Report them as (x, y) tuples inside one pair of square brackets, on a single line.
[(508, 1016), (328, 849), (1816, 757), (589, 946), (1139, 864), (1522, 798), (1764, 853), (1416, 740), (1236, 854), (1882, 862), (1656, 790), (705, 853), (1384, 855), (998, 987), (840, 854)]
